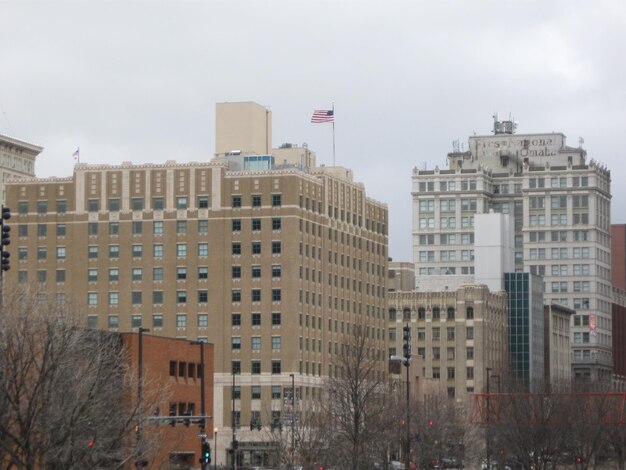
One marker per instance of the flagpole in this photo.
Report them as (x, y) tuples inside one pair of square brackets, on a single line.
[(333, 134)]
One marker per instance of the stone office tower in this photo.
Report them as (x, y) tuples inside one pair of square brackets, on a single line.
[(560, 202), (272, 263)]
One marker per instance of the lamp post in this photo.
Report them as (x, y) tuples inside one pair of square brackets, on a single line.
[(407, 363), (234, 444), (215, 448), (203, 436), (139, 461), (293, 410), (488, 369)]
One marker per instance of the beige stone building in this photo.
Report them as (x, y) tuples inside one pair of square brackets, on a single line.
[(455, 337), (272, 264), (17, 160)]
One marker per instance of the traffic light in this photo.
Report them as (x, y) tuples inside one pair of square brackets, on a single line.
[(6, 239), (206, 453), (430, 423), (173, 413), (406, 333), (579, 459), (406, 348)]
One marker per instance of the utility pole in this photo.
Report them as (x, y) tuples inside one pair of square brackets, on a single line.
[(488, 418), (140, 462), (205, 457), (293, 417)]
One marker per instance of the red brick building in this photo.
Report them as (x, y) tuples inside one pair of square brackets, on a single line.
[(172, 386), (618, 255)]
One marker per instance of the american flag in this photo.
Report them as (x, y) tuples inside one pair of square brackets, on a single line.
[(323, 115), (76, 154)]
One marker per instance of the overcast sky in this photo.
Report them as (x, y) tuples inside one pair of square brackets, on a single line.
[(138, 81)]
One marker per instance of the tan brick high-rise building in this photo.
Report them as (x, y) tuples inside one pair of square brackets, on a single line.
[(17, 160), (270, 264)]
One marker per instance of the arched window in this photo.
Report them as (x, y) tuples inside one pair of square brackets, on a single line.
[(450, 313), (421, 313), (406, 314), (436, 313), (392, 314), (469, 313)]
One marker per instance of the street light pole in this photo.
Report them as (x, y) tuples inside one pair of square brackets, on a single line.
[(234, 442), (139, 461), (293, 410), (215, 448), (488, 418), (203, 436), (407, 363)]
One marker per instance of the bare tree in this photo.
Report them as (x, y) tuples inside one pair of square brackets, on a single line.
[(357, 405), (65, 392)]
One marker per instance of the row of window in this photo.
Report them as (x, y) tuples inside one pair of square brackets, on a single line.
[(539, 220), (256, 200), (255, 295), (446, 222), (255, 271), (435, 313), (445, 255), (559, 253), (256, 224), (158, 251), (255, 343), (113, 321), (255, 319), (436, 333), (114, 274), (137, 297), (114, 204), (255, 248), (255, 367), (577, 286)]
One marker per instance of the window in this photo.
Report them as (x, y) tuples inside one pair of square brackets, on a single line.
[(60, 275), (114, 228), (181, 320), (236, 201), (276, 319), (450, 333), (137, 251), (256, 271), (276, 343), (157, 251), (114, 251), (276, 392), (276, 200), (450, 313), (181, 250), (235, 342), (436, 313), (436, 334), (60, 252), (203, 202), (469, 332), (92, 275), (42, 207), (114, 205), (276, 295), (22, 253), (61, 206), (181, 273), (236, 248), (203, 320), (135, 321), (436, 373), (203, 226), (276, 247), (92, 298), (235, 272), (256, 319), (61, 230), (157, 274), (255, 343), (114, 298), (255, 367), (137, 227), (137, 204), (114, 274), (42, 253), (113, 321), (236, 225), (256, 295), (256, 200), (203, 272), (181, 202), (203, 249), (236, 319), (157, 227), (136, 274), (42, 230), (236, 295), (41, 275), (276, 223), (157, 203), (256, 224), (276, 270), (235, 367), (203, 296), (276, 367), (181, 227), (255, 395), (256, 248), (157, 321), (157, 297), (469, 313), (181, 296)]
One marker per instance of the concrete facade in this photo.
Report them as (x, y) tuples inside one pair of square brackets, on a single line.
[(272, 267), (401, 276), (17, 160), (618, 256), (455, 336), (557, 352), (560, 204)]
